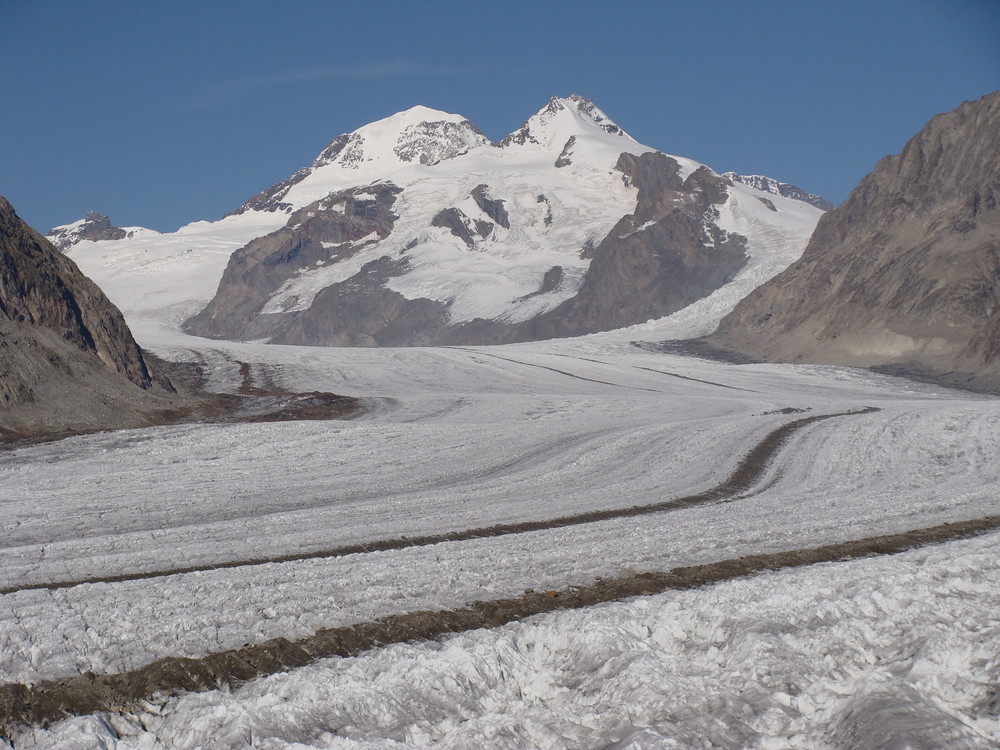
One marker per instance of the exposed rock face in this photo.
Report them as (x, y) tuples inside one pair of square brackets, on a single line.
[(905, 273), (664, 256), (366, 313), (328, 231), (771, 185), (493, 208), (63, 346), (94, 227)]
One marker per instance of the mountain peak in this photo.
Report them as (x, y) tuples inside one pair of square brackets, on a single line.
[(419, 135), (94, 227), (559, 120)]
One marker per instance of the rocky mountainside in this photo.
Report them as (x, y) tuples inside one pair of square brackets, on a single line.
[(669, 252), (905, 273), (417, 230), (93, 227), (67, 357)]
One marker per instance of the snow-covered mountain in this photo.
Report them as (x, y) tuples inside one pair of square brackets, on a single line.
[(417, 230), (773, 186), (419, 135)]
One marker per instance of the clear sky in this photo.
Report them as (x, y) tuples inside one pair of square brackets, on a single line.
[(162, 113)]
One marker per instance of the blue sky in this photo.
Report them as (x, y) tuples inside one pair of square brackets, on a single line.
[(159, 114)]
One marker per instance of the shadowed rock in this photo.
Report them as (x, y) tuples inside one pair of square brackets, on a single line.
[(327, 231), (666, 255), (490, 206), (67, 358)]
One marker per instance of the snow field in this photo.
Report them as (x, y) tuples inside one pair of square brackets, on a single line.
[(169, 277)]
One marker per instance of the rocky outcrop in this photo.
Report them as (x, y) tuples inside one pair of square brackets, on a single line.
[(905, 273), (361, 311), (494, 208), (664, 256), (41, 287), (66, 354), (94, 227), (326, 232)]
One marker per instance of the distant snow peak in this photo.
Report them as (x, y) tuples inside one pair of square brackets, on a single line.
[(588, 108), (561, 119), (94, 227), (773, 186), (417, 135)]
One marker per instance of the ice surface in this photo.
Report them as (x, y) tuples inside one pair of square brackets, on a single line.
[(860, 654), (495, 434)]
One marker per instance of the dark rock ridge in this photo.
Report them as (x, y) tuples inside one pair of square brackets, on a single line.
[(662, 257), (468, 229), (771, 185), (566, 155), (905, 273), (66, 354), (94, 228), (493, 208)]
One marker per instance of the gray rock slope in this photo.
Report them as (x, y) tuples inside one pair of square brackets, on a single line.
[(771, 185), (67, 358), (905, 273)]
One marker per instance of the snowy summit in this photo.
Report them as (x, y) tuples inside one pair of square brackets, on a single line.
[(415, 229)]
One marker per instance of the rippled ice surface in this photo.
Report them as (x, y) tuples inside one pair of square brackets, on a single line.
[(872, 653)]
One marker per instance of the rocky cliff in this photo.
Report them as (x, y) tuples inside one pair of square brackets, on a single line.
[(67, 357), (663, 256), (905, 273)]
